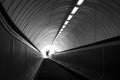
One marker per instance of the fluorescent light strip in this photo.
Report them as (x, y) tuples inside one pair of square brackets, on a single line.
[(63, 26), (69, 17), (80, 2), (66, 22), (61, 30), (58, 34), (74, 10)]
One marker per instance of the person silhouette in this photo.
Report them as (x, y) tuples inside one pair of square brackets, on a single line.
[(47, 53)]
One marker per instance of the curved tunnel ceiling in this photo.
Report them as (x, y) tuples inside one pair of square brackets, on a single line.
[(40, 21)]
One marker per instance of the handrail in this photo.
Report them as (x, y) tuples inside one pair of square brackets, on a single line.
[(103, 43), (13, 26), (74, 71)]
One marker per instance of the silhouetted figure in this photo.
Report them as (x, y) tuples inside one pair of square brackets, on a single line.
[(47, 53)]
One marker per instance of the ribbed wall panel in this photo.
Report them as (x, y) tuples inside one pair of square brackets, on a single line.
[(18, 60), (95, 20)]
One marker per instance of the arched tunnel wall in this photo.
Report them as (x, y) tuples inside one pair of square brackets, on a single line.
[(100, 63), (17, 60), (40, 21)]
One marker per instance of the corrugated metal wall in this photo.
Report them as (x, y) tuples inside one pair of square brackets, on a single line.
[(100, 63), (40, 21), (17, 60), (96, 20)]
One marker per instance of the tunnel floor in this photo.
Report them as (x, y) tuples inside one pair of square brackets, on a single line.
[(50, 70)]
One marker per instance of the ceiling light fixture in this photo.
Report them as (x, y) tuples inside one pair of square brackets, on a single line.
[(79, 2), (69, 17), (61, 30), (74, 10), (63, 26), (66, 22)]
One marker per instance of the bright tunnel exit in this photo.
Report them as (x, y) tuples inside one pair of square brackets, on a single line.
[(48, 50)]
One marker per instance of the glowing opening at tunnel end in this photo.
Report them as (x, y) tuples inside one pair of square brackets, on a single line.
[(48, 50)]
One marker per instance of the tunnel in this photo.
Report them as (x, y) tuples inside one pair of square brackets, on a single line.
[(59, 39)]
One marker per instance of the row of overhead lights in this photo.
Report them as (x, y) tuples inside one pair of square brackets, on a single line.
[(75, 9)]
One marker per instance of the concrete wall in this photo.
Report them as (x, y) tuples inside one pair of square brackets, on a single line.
[(17, 60), (100, 63)]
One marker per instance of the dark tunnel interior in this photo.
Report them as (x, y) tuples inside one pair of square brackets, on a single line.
[(59, 39)]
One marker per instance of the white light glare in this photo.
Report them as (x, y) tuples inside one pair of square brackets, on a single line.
[(80, 2), (58, 34), (74, 10), (52, 49), (63, 26), (61, 30), (69, 17), (66, 22)]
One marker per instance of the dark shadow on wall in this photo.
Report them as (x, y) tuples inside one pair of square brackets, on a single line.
[(17, 60), (100, 63)]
